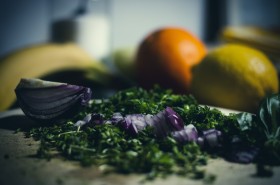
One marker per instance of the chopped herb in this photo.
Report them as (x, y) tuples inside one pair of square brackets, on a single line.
[(112, 149)]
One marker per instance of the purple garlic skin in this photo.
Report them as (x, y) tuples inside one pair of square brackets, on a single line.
[(44, 101)]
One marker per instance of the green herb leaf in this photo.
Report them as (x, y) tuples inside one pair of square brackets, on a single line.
[(269, 115)]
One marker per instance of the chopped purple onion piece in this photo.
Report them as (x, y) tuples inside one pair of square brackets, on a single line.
[(96, 119), (160, 124), (192, 132), (132, 129), (244, 156), (149, 119), (200, 141), (116, 118), (126, 122), (174, 119), (134, 123), (80, 123), (210, 138), (188, 134), (165, 122), (87, 118), (241, 153)]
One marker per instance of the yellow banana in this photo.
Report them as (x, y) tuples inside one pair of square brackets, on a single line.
[(38, 61)]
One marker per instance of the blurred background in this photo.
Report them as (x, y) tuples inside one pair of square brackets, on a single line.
[(30, 22), (110, 31)]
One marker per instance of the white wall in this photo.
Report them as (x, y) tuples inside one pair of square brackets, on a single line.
[(26, 22), (133, 19)]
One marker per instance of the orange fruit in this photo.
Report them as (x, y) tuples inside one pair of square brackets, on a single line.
[(166, 56)]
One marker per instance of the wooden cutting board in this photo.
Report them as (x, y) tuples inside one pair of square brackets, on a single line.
[(18, 165)]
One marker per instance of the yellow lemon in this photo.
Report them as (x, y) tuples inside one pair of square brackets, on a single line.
[(234, 76)]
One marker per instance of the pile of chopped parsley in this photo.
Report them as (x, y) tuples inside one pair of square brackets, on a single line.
[(113, 150)]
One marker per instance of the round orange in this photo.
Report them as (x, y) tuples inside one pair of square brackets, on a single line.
[(166, 56)]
